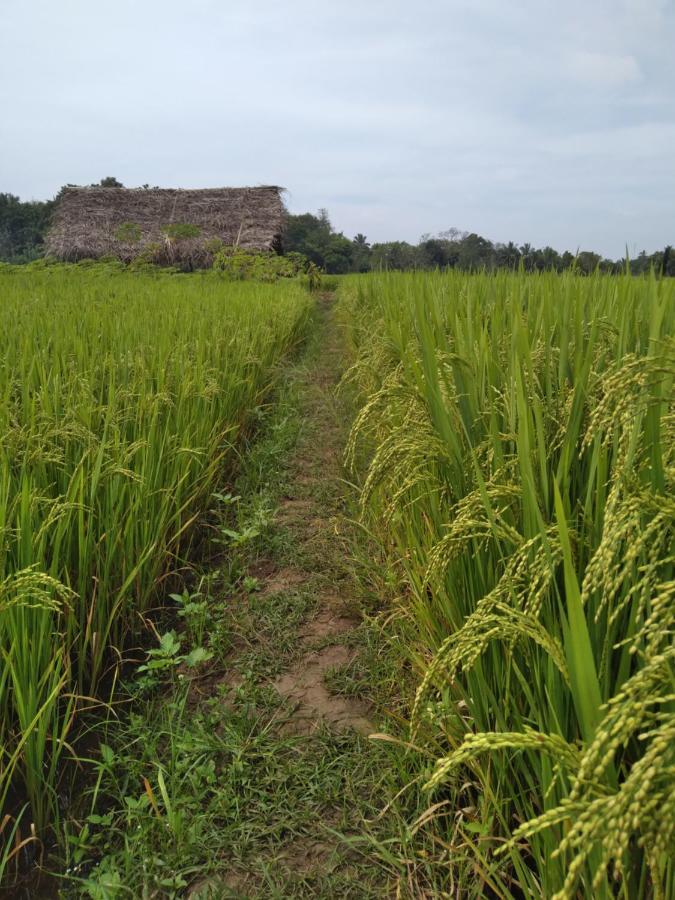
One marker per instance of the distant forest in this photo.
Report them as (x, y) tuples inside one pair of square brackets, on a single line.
[(23, 225), (315, 237)]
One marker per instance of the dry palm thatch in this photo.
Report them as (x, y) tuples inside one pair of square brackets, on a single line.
[(182, 227)]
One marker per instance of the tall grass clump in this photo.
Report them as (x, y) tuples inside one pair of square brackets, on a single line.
[(515, 436), (122, 396)]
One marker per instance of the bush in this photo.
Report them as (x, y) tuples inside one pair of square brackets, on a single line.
[(238, 264)]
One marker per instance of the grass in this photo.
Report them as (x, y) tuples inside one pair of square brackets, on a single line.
[(122, 400), (514, 445)]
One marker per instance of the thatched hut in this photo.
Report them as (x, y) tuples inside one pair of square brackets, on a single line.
[(183, 227)]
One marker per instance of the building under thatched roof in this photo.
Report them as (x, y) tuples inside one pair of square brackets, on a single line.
[(164, 225)]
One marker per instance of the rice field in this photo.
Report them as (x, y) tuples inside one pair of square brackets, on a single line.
[(512, 456), (515, 455), (122, 399)]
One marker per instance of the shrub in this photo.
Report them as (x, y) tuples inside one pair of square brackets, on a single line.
[(238, 264)]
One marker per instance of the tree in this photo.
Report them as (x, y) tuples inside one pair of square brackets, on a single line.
[(314, 237), (22, 228), (434, 253), (109, 181), (360, 253), (307, 234), (547, 260), (393, 255), (453, 235), (567, 259), (587, 261), (338, 255), (527, 257), (668, 261), (507, 256), (475, 253)]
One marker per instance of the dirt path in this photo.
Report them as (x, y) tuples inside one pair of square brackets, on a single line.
[(297, 636), (310, 510)]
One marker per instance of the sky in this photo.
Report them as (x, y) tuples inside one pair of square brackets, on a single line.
[(543, 121)]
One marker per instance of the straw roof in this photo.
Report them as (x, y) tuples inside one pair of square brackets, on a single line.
[(166, 225)]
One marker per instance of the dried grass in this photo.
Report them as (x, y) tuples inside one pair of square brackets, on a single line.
[(91, 222)]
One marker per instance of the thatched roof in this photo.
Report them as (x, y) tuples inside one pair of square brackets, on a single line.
[(171, 226)]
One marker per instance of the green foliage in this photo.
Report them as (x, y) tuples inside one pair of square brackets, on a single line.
[(168, 657), (238, 264), (151, 256), (188, 796), (180, 231), (313, 277), (193, 610), (22, 228), (314, 238), (516, 443), (122, 399), (128, 233), (213, 246)]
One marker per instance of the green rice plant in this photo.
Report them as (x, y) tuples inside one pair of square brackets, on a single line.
[(122, 398), (515, 441)]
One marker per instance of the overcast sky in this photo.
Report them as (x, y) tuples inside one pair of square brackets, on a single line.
[(543, 121)]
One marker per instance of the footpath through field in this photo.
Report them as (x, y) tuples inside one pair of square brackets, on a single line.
[(298, 662)]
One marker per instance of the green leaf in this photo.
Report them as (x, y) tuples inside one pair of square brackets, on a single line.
[(198, 655), (578, 650), (169, 645), (107, 754)]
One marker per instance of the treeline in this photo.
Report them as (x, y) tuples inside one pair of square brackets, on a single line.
[(315, 238), (23, 226)]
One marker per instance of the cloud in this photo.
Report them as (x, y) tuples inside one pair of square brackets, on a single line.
[(604, 69), (646, 10), (540, 121)]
